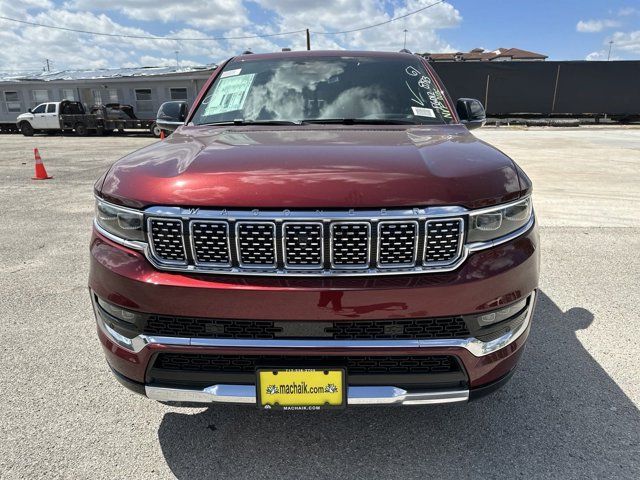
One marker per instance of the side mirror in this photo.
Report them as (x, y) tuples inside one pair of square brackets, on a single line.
[(471, 112), (29, 110), (171, 115)]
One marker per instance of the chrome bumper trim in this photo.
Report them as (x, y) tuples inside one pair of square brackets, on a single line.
[(246, 394), (475, 346)]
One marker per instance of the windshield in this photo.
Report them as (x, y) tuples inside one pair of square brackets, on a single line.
[(324, 90)]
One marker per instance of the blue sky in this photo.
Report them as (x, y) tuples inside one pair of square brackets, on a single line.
[(562, 29)]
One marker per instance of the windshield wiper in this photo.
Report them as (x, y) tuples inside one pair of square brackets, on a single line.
[(361, 121), (242, 122)]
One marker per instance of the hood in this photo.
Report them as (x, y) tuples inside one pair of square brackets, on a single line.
[(316, 166)]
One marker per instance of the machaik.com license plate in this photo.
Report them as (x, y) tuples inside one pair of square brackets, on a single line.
[(301, 389)]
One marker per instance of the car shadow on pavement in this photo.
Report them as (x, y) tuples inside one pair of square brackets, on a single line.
[(561, 416)]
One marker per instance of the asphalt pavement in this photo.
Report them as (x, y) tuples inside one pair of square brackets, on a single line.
[(570, 411)]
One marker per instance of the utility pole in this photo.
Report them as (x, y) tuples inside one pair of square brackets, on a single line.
[(308, 40), (47, 65), (405, 39), (177, 60), (610, 45)]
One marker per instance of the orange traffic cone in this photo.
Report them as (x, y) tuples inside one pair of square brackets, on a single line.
[(161, 134), (41, 172)]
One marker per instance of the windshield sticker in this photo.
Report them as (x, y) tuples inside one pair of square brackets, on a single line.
[(229, 95), (423, 112), (230, 73)]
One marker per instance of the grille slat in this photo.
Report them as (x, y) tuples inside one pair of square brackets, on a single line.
[(306, 246), (397, 244), (443, 241), (303, 245), (350, 244), (167, 240), (256, 243), (210, 241)]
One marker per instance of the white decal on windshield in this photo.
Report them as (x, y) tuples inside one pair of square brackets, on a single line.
[(230, 73), (412, 71), (424, 82), (417, 97)]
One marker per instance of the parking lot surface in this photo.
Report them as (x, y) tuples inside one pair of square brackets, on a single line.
[(571, 411)]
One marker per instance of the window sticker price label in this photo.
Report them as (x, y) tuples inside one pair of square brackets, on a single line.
[(230, 94)]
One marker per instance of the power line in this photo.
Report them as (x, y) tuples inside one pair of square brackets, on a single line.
[(381, 23), (201, 39), (148, 37)]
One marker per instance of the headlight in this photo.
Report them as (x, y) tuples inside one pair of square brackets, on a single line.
[(119, 221), (491, 224)]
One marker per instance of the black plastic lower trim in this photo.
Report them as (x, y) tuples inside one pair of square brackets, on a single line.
[(476, 393), (132, 385)]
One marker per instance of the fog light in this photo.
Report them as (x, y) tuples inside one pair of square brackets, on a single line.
[(502, 314), (119, 312)]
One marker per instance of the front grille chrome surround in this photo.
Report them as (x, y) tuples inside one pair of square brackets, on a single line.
[(277, 220)]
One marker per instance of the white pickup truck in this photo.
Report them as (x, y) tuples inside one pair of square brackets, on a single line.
[(46, 116)]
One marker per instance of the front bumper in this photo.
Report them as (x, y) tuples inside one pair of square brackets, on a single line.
[(488, 279)]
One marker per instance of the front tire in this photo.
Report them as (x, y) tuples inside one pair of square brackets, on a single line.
[(155, 130), (26, 129)]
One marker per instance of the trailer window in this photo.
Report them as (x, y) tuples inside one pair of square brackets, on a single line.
[(68, 94), (107, 95), (178, 93), (12, 101), (143, 100), (39, 96)]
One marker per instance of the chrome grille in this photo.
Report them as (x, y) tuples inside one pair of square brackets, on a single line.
[(303, 245), (350, 244), (443, 241), (397, 243), (306, 243), (210, 241), (256, 244), (167, 240)]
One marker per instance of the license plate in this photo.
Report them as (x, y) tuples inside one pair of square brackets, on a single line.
[(301, 389)]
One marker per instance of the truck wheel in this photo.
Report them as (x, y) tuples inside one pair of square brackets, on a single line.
[(26, 129), (155, 130), (81, 129)]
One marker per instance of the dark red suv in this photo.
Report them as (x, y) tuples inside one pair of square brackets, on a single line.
[(322, 231)]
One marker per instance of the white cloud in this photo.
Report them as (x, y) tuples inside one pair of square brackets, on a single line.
[(209, 14), (30, 45), (593, 26), (627, 42), (626, 11)]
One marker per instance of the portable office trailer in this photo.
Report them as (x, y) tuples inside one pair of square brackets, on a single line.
[(144, 88)]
